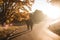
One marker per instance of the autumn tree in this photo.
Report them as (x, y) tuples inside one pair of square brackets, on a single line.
[(16, 9)]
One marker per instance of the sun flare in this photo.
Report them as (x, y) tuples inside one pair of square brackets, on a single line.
[(52, 11), (47, 8)]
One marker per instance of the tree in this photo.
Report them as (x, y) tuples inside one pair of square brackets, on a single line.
[(16, 9)]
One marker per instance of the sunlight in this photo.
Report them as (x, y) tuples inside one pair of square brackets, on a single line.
[(47, 8), (51, 11)]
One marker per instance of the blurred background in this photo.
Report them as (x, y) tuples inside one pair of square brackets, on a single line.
[(45, 15)]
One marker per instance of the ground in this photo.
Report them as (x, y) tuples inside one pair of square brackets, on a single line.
[(40, 32)]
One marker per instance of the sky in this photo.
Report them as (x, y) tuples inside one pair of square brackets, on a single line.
[(38, 4), (47, 8)]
